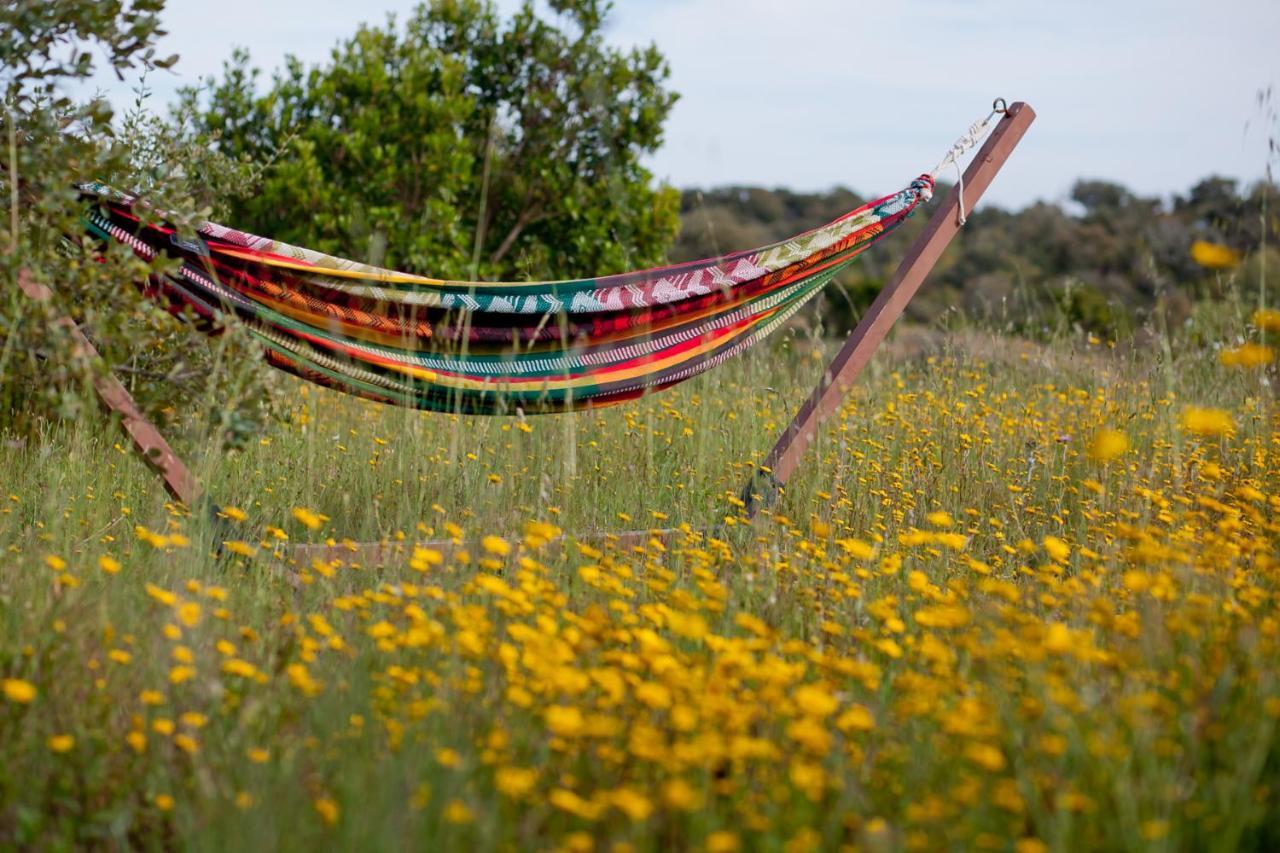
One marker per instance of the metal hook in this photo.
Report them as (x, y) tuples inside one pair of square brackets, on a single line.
[(1000, 105)]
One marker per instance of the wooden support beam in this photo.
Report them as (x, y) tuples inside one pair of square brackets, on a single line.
[(843, 370), (147, 440)]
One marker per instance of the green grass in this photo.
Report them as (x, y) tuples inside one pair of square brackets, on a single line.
[(1147, 718)]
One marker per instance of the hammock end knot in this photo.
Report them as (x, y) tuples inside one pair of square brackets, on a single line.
[(924, 186)]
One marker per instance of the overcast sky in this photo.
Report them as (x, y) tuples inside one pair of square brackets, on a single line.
[(811, 93)]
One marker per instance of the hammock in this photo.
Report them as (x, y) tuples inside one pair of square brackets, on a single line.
[(493, 347)]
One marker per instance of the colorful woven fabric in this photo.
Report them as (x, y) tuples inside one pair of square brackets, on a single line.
[(494, 347)]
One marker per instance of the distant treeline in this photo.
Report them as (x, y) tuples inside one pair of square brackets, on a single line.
[(1108, 262)]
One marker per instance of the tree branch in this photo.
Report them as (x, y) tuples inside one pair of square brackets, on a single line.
[(527, 217)]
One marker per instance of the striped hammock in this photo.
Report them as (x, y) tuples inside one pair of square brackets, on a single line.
[(492, 347)]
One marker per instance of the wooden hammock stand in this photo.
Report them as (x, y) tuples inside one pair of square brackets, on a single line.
[(771, 477)]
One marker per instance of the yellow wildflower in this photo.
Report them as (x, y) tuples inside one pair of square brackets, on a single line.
[(723, 841), (940, 519), (137, 741), (1058, 639), (632, 803), (816, 700), (857, 718), (424, 558), (568, 801), (155, 540), (189, 614), (309, 518), (1136, 581), (1214, 256), (1107, 444), (60, 743), (856, 548), (17, 690), (1267, 319), (653, 694), (495, 545), (327, 809), (236, 546), (1207, 422), (515, 782), (680, 795), (234, 513), (1248, 355), (1057, 550), (456, 811), (161, 595), (179, 674), (985, 756), (564, 720)]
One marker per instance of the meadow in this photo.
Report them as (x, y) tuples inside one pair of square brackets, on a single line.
[(1020, 596)]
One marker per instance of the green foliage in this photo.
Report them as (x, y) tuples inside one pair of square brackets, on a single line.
[(51, 143), (458, 145), (1107, 266)]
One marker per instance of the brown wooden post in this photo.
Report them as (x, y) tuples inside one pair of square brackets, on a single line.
[(843, 370), (147, 440)]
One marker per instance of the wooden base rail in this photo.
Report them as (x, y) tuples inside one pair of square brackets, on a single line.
[(375, 554)]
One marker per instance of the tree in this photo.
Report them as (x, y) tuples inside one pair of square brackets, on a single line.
[(458, 145), (52, 142)]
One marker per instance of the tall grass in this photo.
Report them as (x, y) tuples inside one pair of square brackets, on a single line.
[(963, 624)]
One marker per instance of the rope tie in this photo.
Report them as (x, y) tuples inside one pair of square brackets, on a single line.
[(969, 140)]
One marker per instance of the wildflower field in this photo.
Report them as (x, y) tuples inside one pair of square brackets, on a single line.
[(1019, 596)]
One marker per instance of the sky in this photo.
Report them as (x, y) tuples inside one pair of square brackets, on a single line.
[(809, 94)]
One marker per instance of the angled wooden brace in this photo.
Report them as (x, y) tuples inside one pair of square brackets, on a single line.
[(147, 440), (842, 372)]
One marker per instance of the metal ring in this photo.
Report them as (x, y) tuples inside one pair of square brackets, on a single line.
[(1000, 105)]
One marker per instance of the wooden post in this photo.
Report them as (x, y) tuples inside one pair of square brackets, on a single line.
[(884, 312), (147, 440)]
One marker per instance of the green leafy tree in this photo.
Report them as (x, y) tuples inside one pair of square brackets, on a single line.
[(458, 145), (52, 142)]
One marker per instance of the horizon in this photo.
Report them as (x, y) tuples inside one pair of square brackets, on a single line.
[(1185, 121)]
